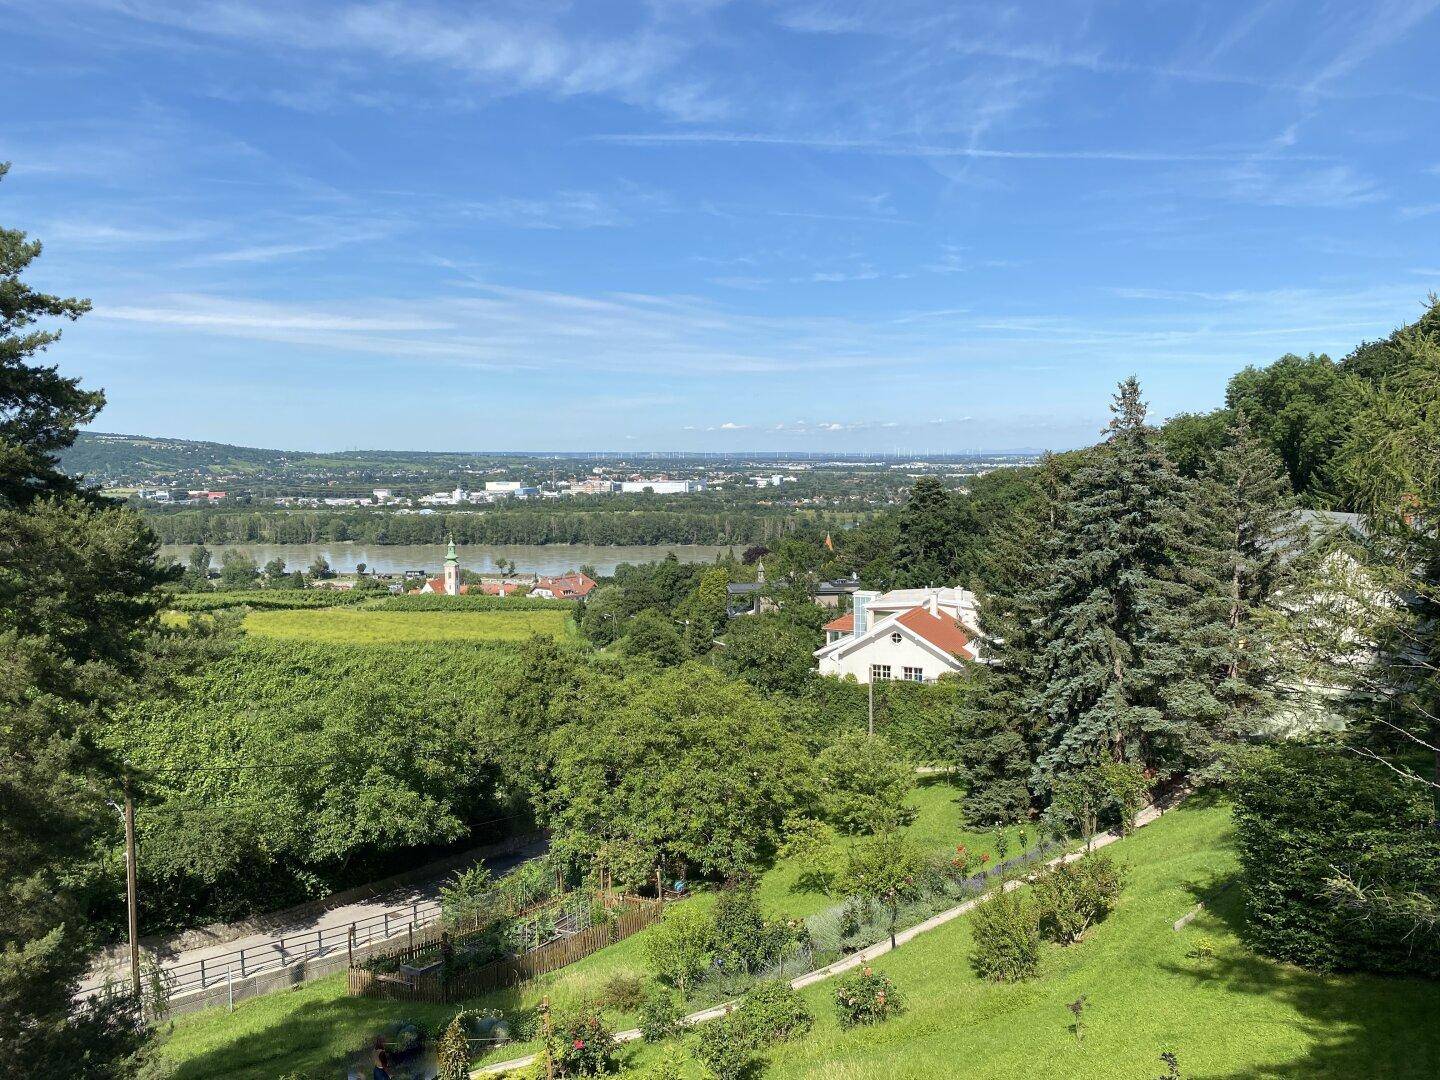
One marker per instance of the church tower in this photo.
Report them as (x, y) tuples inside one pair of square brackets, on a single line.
[(452, 571)]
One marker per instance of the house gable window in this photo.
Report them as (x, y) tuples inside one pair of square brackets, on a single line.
[(895, 637), (914, 674), (879, 672)]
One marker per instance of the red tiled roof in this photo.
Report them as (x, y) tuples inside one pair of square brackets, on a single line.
[(569, 586), (845, 623), (945, 633)]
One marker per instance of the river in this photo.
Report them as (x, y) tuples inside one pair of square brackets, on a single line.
[(393, 558)]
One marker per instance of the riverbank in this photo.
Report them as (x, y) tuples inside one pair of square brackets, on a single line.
[(546, 559)]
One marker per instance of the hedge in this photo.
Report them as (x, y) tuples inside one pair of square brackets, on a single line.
[(1304, 814)]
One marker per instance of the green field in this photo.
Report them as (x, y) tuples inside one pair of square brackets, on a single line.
[(1235, 1015), (352, 626)]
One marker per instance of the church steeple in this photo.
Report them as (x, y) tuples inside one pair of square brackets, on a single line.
[(452, 570)]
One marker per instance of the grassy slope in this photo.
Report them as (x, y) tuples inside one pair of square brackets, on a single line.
[(1233, 1016), (351, 626), (317, 1023)]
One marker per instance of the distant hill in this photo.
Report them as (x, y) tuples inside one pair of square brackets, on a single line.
[(103, 456)]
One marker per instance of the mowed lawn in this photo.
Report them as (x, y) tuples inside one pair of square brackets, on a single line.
[(1234, 1015), (317, 1025), (351, 626)]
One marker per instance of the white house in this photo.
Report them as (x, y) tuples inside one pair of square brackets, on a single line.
[(915, 635)]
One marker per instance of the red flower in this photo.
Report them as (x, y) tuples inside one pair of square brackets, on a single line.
[(985, 857), (960, 848), (579, 1044)]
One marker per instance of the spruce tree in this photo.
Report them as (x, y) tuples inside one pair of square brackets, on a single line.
[(1111, 640), (925, 554), (1251, 544), (997, 733)]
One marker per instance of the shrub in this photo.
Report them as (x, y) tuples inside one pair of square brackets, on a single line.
[(1007, 938), (740, 932), (1203, 948), (582, 1045), (866, 997), (772, 1011), (1076, 894), (624, 991), (660, 1016), (681, 946), (723, 1048), (453, 1054), (1305, 816)]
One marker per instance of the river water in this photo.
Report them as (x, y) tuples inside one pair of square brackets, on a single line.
[(394, 558)]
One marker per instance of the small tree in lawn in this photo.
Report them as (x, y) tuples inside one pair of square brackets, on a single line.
[(888, 870), (466, 895), (740, 931), (681, 947)]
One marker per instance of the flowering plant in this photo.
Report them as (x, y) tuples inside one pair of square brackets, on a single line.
[(866, 997), (583, 1045)]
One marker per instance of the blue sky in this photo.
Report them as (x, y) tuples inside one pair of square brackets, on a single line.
[(707, 225)]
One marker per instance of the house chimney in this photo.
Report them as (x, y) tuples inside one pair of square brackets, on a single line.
[(934, 604), (861, 609)]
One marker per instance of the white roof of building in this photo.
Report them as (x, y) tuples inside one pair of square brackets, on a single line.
[(910, 598)]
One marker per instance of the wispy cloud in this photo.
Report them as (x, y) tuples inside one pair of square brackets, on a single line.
[(925, 150)]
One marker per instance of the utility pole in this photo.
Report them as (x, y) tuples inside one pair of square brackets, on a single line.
[(130, 899), (871, 685)]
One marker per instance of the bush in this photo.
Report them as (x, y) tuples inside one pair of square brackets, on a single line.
[(433, 602), (772, 1011), (866, 997), (723, 1048), (1305, 816), (1076, 894), (1007, 938), (660, 1016), (623, 991), (680, 947), (582, 1045), (740, 930)]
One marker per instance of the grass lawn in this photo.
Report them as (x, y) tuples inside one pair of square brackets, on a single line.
[(347, 625), (317, 1024), (1232, 1016)]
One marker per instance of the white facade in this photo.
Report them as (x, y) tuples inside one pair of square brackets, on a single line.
[(959, 604), (502, 487), (884, 658), (663, 487)]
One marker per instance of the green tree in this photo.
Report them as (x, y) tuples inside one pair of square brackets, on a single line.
[(197, 570), (705, 609), (634, 778), (1117, 667), (681, 946), (452, 1055), (771, 652), (652, 635), (275, 572), (925, 554), (1298, 406), (864, 782), (238, 571), (78, 605)]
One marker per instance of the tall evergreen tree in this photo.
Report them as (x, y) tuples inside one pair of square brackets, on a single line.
[(77, 599), (925, 554), (998, 733), (1124, 611)]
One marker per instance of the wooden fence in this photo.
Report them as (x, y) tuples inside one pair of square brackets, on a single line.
[(441, 987)]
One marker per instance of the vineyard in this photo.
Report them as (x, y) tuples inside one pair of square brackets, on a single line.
[(352, 626)]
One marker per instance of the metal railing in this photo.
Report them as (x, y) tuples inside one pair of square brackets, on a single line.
[(193, 976)]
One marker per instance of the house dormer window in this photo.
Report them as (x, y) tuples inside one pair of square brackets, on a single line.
[(895, 638)]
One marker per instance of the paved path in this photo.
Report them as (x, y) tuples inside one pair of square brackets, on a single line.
[(864, 956), (293, 938)]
